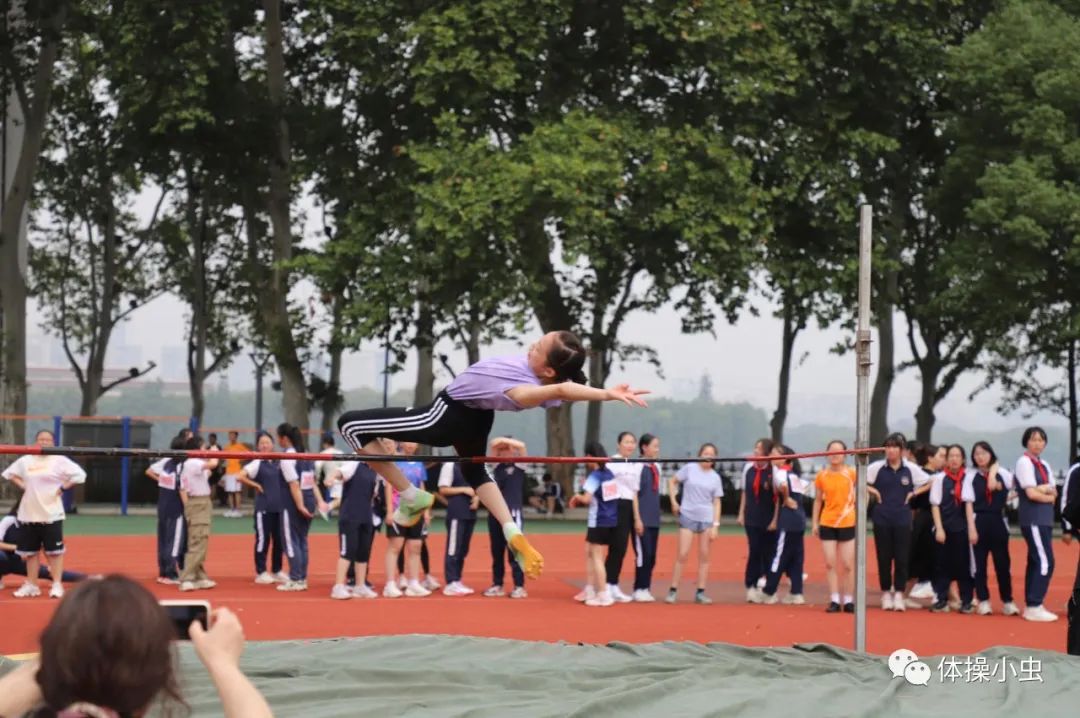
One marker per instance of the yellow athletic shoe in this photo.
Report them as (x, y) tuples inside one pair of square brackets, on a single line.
[(530, 560)]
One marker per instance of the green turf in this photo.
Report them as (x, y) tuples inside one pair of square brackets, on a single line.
[(142, 525)]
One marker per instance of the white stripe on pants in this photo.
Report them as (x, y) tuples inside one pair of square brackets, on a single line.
[(288, 535), (779, 552), (420, 421), (639, 553), (451, 546), (177, 536), (1044, 562), (260, 532)]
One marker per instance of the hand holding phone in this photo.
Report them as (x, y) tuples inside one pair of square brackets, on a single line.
[(184, 613), (223, 644)]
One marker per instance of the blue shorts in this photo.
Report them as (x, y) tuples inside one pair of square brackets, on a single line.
[(697, 527)]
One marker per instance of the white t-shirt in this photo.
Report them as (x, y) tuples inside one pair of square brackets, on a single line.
[(627, 478), (44, 477), (165, 480), (195, 477), (967, 487)]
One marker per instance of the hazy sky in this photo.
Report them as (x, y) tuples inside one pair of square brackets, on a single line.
[(742, 359)]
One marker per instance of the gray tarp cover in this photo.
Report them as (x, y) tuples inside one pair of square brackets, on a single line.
[(388, 676)]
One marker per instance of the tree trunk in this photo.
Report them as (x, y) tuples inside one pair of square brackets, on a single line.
[(597, 377), (425, 355), (197, 345), (560, 442), (13, 288), (92, 389), (929, 371), (787, 348), (275, 310), (331, 403), (886, 370), (1073, 410)]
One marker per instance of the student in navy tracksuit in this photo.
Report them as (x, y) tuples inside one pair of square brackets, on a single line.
[(265, 477), (789, 555), (1070, 524), (646, 543), (171, 529), (990, 486), (461, 505), (356, 528), (892, 483), (1038, 494), (300, 510), (758, 515), (951, 499), (510, 479)]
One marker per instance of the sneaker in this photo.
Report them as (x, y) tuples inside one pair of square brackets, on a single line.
[(940, 607), (402, 583), (581, 596), (967, 609), (27, 590), (452, 589), (293, 586), (187, 586), (755, 595), (391, 590), (601, 600), (497, 592), (1011, 609), (409, 513), (415, 590), (643, 595), (468, 591), (205, 583), (519, 592), (341, 592), (793, 599), (955, 604), (363, 592), (833, 607), (886, 601), (166, 581), (984, 608), (671, 597), (1039, 614), (912, 603), (898, 602), (922, 590), (770, 600), (57, 591), (849, 608), (431, 583), (281, 577), (617, 595), (265, 579), (701, 598), (530, 560)]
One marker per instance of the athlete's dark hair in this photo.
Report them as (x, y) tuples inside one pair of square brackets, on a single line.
[(644, 441), (294, 435), (623, 434), (959, 448), (922, 452), (766, 446), (796, 467), (567, 357), (895, 439), (595, 448)]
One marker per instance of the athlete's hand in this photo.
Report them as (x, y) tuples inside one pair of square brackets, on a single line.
[(973, 536), (939, 536), (772, 526), (741, 519), (259, 489), (302, 510), (791, 503), (628, 396), (675, 508), (815, 530), (1067, 538), (712, 533), (639, 527), (475, 503)]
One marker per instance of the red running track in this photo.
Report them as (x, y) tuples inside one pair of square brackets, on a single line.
[(549, 614)]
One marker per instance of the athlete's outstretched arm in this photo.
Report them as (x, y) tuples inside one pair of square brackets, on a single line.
[(530, 395)]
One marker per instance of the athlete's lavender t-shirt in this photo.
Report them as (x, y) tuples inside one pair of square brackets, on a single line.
[(485, 383)]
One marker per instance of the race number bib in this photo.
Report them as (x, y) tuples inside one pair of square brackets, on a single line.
[(307, 480), (167, 481), (609, 490)]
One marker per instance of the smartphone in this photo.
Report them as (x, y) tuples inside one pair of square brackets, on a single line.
[(183, 613)]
